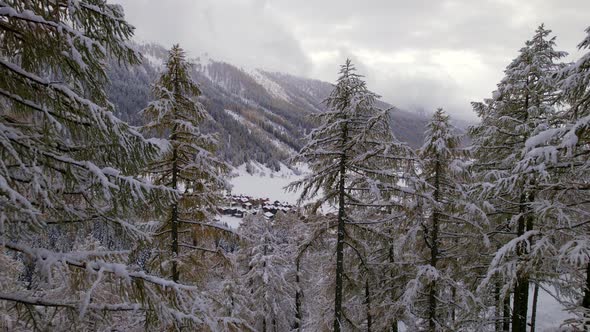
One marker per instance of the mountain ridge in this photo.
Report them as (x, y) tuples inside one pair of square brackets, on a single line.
[(259, 115)]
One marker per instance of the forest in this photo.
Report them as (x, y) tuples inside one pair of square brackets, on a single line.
[(107, 225)]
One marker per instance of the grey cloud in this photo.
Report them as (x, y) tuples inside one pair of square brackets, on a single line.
[(312, 38), (240, 32)]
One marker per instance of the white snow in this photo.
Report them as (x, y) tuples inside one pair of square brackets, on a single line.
[(265, 183), (154, 61), (269, 85), (550, 313), (231, 221), (252, 126), (236, 116)]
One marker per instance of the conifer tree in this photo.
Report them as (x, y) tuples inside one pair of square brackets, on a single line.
[(353, 158), (449, 228), (523, 101), (67, 164), (190, 165), (267, 270), (559, 151)]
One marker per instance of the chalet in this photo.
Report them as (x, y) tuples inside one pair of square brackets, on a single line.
[(239, 213)]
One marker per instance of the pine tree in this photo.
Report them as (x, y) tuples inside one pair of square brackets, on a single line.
[(190, 165), (353, 158), (523, 101)]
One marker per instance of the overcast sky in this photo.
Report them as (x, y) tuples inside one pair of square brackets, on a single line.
[(414, 53)]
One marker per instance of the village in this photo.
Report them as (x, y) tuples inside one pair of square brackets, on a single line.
[(241, 205)]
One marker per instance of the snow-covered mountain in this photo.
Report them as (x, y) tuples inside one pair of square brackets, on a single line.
[(260, 116)]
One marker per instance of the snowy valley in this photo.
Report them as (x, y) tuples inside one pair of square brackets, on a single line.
[(151, 188)]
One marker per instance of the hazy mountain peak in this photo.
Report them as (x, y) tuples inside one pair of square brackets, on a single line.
[(259, 115)]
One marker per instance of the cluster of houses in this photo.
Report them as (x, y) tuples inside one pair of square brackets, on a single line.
[(240, 205)]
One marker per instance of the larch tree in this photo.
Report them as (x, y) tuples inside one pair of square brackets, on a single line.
[(524, 99), (576, 142), (560, 151), (66, 164), (353, 159), (440, 291), (190, 166), (266, 274)]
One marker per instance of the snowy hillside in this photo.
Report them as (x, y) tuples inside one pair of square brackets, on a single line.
[(269, 115)]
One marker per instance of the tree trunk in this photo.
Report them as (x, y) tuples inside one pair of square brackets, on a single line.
[(506, 315), (454, 297), (521, 298), (586, 299), (298, 315), (534, 309), (432, 303), (394, 327), (340, 235), (368, 304), (521, 289), (174, 217), (174, 208), (174, 246)]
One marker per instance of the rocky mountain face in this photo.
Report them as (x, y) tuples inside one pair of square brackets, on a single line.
[(258, 115)]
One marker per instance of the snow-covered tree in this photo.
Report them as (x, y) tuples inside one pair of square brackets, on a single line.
[(560, 151), (438, 293), (67, 167), (355, 165), (189, 166), (267, 270), (309, 251), (524, 100)]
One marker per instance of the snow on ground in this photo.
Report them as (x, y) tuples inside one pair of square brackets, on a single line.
[(271, 86), (236, 116), (231, 221), (252, 126), (550, 313), (264, 183)]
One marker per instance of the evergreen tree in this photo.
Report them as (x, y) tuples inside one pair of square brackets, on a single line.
[(190, 165), (524, 99), (353, 158)]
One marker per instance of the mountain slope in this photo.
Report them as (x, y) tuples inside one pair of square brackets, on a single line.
[(258, 115)]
